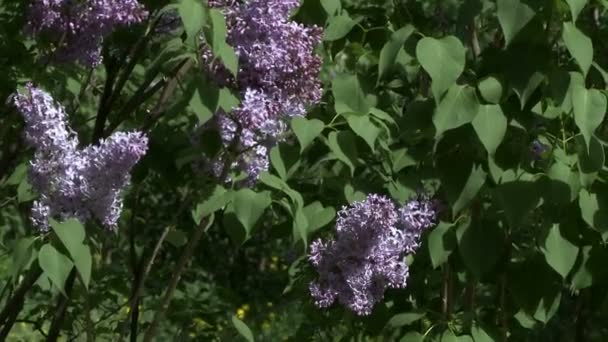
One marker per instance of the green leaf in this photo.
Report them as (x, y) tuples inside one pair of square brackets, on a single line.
[(441, 243), (476, 180), (480, 246), (490, 89), (517, 198), (348, 94), (300, 227), (400, 159), (594, 210), (219, 31), (71, 233), (412, 336), (405, 318), (589, 110), (83, 262), (564, 185), (193, 15), (559, 252), (480, 335), (342, 144), (18, 175), (318, 216), (338, 27), (458, 107), (25, 191), (216, 201), (443, 59), (284, 159), (229, 58), (590, 160), (22, 255), (249, 206), (306, 130), (364, 127), (227, 101), (55, 265), (388, 54), (524, 85), (204, 101), (576, 6), (579, 46), (513, 15), (331, 7), (352, 195), (243, 329), (490, 124)]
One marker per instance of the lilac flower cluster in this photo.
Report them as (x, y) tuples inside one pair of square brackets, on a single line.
[(366, 256), (538, 149), (83, 183), (277, 78), (80, 27)]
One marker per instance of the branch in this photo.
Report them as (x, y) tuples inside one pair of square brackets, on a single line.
[(135, 53), (140, 280), (179, 269), (14, 304), (61, 308), (104, 108), (167, 91)]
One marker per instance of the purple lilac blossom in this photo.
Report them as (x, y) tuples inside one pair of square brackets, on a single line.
[(79, 27), (538, 149), (83, 183), (277, 78), (366, 255)]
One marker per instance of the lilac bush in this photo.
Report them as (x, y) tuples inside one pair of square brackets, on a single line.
[(366, 256), (83, 183), (79, 27), (277, 78)]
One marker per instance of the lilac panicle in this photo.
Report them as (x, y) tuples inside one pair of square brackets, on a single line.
[(416, 216), (538, 149), (79, 27), (277, 78), (72, 182), (366, 255)]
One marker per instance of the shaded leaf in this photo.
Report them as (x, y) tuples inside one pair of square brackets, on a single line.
[(389, 51), (513, 15), (243, 329)]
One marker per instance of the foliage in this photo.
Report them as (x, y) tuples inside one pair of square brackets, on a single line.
[(497, 107)]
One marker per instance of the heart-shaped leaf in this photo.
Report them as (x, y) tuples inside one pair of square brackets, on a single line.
[(443, 59)]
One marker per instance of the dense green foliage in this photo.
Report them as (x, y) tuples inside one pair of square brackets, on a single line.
[(451, 96)]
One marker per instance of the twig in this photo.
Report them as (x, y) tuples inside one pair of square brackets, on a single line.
[(61, 308), (89, 328), (135, 53), (134, 301), (104, 109), (179, 269), (141, 95), (474, 39), (447, 291), (166, 93)]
